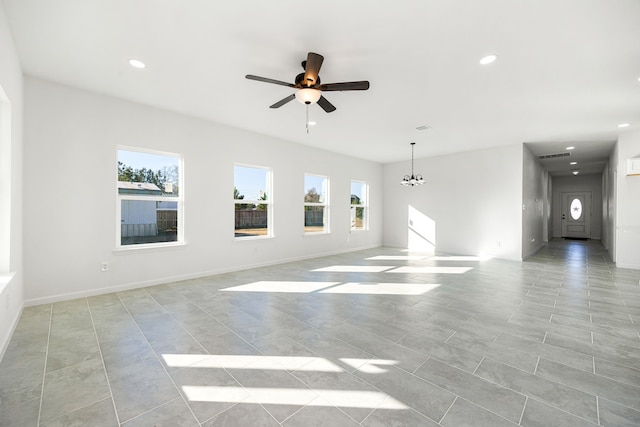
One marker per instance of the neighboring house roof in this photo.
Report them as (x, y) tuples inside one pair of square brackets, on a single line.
[(138, 187)]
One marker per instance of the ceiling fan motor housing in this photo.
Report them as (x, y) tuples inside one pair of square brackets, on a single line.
[(300, 82)]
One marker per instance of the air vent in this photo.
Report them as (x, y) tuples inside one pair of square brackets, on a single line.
[(554, 156)]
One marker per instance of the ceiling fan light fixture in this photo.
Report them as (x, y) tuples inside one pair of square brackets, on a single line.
[(309, 90), (308, 95)]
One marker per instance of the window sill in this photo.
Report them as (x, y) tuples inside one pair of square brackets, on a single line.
[(252, 238), (317, 233), (123, 250), (5, 279)]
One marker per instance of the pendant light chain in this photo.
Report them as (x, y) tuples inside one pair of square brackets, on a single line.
[(412, 158)]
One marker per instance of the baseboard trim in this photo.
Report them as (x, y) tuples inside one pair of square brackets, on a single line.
[(5, 344), (629, 266), (136, 285), (534, 250)]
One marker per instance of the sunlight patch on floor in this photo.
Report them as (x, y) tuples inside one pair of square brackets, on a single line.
[(277, 363), (431, 270), (381, 288), (281, 286), (354, 269), (372, 288), (293, 396), (228, 361), (460, 258), (371, 366)]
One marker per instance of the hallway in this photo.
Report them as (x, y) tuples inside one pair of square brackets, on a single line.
[(382, 337)]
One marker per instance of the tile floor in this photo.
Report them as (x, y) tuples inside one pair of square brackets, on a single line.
[(381, 337)]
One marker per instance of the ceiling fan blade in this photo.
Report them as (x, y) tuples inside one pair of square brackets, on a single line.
[(326, 105), (283, 101), (332, 87), (312, 69), (266, 80)]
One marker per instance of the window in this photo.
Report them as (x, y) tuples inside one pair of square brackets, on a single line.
[(5, 185), (359, 203), (576, 209), (252, 201), (316, 204), (149, 198)]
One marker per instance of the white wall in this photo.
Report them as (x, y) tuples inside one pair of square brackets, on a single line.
[(11, 270), (627, 204), (70, 195), (566, 184), (608, 207), (535, 184), (470, 205)]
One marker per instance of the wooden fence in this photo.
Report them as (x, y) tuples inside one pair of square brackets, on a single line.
[(258, 219), (251, 219), (167, 220)]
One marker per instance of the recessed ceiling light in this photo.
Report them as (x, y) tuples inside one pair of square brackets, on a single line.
[(624, 125), (488, 59), (312, 123), (573, 163), (136, 63), (571, 148), (575, 172)]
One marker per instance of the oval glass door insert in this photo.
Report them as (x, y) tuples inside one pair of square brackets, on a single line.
[(576, 209)]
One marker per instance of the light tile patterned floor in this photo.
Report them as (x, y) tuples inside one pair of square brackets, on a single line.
[(381, 337)]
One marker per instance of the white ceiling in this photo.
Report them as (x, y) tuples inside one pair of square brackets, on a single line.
[(567, 71)]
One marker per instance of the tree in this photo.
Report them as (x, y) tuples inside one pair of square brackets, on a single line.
[(312, 196), (237, 195), (241, 206), (262, 206), (166, 175)]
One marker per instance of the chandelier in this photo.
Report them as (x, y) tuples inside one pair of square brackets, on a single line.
[(412, 180)]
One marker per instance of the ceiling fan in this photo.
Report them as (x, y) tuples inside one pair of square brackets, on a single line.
[(309, 85)]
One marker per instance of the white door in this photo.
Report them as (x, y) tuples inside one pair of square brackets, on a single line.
[(576, 214)]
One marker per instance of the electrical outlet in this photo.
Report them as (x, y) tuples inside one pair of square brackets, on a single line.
[(104, 266)]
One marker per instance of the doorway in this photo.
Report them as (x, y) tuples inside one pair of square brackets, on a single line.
[(576, 214)]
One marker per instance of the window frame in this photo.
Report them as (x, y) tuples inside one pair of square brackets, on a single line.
[(364, 206), (179, 199), (325, 217), (5, 186), (269, 202)]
